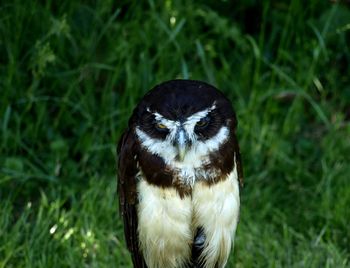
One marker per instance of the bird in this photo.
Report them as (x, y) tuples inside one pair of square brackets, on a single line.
[(180, 177)]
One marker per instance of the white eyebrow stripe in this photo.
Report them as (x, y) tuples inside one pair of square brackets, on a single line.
[(188, 124), (170, 124), (199, 115)]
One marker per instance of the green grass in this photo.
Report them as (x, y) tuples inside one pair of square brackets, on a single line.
[(71, 73)]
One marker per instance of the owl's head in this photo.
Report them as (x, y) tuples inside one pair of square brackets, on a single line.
[(183, 120)]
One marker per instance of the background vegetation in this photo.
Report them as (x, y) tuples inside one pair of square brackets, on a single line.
[(72, 71)]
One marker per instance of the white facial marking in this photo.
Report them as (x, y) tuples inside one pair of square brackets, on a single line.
[(162, 148), (190, 158), (182, 136), (170, 124), (199, 115), (191, 121), (195, 156)]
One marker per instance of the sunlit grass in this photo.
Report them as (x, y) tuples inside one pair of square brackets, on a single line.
[(71, 73)]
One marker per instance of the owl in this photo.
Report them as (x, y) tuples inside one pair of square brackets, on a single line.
[(179, 177)]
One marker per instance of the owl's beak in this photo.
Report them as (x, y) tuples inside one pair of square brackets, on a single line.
[(182, 143)]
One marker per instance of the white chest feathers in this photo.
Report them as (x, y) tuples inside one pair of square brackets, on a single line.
[(167, 223)]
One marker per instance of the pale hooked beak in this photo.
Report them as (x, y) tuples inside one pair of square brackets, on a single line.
[(182, 143)]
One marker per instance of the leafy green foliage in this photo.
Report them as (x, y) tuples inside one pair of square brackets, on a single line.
[(71, 73)]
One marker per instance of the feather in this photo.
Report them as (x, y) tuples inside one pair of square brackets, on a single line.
[(127, 170)]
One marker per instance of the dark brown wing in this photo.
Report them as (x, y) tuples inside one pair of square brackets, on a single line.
[(239, 163), (127, 170)]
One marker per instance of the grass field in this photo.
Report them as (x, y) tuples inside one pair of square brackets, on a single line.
[(71, 73)]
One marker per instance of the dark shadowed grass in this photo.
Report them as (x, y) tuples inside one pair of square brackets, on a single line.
[(71, 73)]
